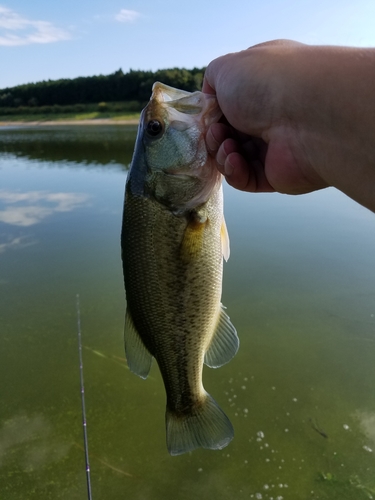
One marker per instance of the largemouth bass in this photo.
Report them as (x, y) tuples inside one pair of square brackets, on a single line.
[(173, 241)]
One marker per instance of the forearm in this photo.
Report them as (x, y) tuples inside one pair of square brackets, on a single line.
[(337, 126)]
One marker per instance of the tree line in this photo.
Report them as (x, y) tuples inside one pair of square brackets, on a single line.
[(116, 87)]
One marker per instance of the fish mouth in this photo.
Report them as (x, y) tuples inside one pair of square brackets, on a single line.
[(183, 176)]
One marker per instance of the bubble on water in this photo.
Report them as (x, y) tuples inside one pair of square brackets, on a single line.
[(245, 379), (200, 469), (246, 462), (243, 387), (295, 400), (367, 448), (267, 460), (274, 388), (286, 430), (281, 485), (260, 434), (245, 410), (346, 427), (266, 445), (258, 496)]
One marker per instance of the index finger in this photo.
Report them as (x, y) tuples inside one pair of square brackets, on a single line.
[(210, 76), (206, 87)]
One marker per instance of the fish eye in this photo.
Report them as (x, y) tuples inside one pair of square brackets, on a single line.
[(153, 128)]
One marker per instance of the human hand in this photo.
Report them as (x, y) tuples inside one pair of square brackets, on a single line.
[(258, 149)]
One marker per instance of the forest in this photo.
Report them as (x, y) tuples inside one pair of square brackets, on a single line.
[(133, 88)]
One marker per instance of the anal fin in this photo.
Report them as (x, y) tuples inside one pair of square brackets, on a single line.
[(224, 343)]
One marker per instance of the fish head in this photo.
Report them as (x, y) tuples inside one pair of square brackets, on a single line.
[(177, 170)]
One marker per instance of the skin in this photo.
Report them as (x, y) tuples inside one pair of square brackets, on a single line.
[(297, 118)]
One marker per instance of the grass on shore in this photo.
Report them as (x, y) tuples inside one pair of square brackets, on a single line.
[(113, 111), (94, 115)]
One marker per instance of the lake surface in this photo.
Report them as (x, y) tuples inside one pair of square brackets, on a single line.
[(299, 287)]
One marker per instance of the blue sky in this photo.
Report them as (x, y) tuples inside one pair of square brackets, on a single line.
[(41, 40)]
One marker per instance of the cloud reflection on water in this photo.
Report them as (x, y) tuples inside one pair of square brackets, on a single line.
[(33, 438), (32, 207), (14, 242)]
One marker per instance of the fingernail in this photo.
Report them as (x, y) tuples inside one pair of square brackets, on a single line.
[(211, 142), (228, 168)]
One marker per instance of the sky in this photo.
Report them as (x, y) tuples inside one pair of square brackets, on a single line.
[(44, 39)]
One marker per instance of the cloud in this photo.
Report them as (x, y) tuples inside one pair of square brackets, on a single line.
[(127, 16), (31, 207), (17, 30)]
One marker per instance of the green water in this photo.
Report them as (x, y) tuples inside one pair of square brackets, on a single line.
[(299, 286)]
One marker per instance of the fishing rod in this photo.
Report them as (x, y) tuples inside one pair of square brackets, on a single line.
[(84, 423)]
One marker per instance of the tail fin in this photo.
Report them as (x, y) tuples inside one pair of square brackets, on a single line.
[(205, 427)]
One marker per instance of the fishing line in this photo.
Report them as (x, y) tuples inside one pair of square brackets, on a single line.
[(84, 423)]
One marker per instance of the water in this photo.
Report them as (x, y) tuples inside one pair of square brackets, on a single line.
[(299, 286)]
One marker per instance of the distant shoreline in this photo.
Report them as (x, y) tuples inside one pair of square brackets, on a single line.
[(93, 121)]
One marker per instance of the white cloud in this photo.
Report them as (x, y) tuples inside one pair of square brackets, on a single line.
[(31, 207), (127, 16), (17, 30)]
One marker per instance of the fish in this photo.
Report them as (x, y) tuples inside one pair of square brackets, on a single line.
[(173, 240)]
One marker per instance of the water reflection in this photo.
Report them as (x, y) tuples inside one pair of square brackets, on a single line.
[(299, 287), (90, 145), (31, 442), (31, 207), (14, 242)]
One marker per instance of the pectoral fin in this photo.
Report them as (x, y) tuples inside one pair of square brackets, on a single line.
[(224, 343), (138, 358), (225, 240)]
